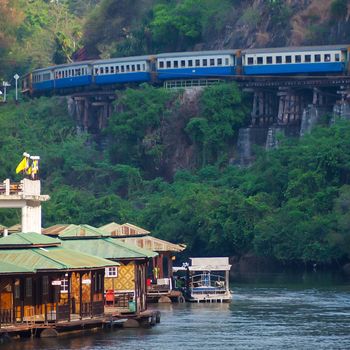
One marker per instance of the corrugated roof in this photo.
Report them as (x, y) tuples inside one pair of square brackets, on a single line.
[(108, 248), (28, 239), (77, 231), (7, 268), (154, 244), (126, 229), (51, 258), (55, 230)]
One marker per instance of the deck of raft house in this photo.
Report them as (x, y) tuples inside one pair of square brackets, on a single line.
[(73, 277)]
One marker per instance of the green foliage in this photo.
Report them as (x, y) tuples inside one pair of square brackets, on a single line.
[(339, 9), (223, 112), (133, 130)]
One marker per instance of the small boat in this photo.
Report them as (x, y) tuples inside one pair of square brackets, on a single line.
[(205, 280)]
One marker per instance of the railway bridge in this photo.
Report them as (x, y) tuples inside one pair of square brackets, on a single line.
[(287, 104)]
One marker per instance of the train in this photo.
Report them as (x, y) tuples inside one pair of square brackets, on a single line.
[(233, 64)]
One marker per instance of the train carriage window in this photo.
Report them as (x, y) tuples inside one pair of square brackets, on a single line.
[(288, 59), (101, 70), (226, 61), (278, 59), (144, 67), (117, 69), (127, 68), (260, 60), (138, 67), (250, 60), (190, 63), (161, 64), (337, 57), (107, 70), (133, 68), (327, 57), (122, 69), (112, 69), (176, 64), (198, 63), (168, 64), (297, 58), (96, 71), (212, 62), (269, 59), (317, 58), (307, 58), (219, 61), (205, 62), (183, 63)]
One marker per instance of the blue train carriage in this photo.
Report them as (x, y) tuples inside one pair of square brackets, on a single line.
[(295, 60), (72, 75), (122, 70), (41, 80), (201, 64)]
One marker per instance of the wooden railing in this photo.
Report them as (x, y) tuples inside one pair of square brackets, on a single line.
[(6, 316), (62, 312)]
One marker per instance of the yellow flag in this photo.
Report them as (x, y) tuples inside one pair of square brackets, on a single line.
[(21, 166)]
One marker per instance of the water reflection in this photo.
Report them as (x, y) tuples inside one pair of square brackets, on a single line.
[(270, 312)]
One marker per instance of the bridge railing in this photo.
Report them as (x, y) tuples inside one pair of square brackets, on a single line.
[(7, 188)]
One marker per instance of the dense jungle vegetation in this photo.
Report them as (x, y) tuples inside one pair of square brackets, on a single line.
[(292, 205)]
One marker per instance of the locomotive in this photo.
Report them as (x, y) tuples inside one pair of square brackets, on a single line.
[(233, 64)]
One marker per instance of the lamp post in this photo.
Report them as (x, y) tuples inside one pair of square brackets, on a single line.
[(5, 84), (16, 76)]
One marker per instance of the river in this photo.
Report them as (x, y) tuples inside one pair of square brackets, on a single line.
[(310, 311)]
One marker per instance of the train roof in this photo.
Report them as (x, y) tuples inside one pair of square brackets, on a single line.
[(296, 48), (66, 65), (196, 53), (123, 59)]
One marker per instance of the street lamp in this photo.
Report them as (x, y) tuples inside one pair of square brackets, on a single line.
[(5, 84), (16, 76)]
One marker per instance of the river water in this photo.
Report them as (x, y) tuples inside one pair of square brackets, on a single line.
[(270, 312)]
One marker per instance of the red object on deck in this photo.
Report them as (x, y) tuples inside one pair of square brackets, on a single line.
[(110, 295), (149, 281)]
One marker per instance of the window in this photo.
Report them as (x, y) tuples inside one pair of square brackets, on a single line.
[(327, 57), (260, 60), (133, 68), (112, 70), (205, 62), (198, 63), (107, 70), (96, 71), (250, 60), (117, 69), (45, 285), (122, 69), (138, 67), (168, 64), (111, 271), (337, 57), (278, 59), (297, 58), (317, 58), (269, 59), (288, 59), (226, 61), (183, 63), (190, 63), (17, 290), (64, 286), (127, 68), (29, 287), (212, 62), (161, 64), (144, 67), (219, 61), (101, 70), (176, 64), (307, 58)]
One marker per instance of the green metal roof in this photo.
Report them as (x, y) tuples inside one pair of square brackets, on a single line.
[(81, 231), (7, 268), (28, 239), (51, 258), (108, 248)]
